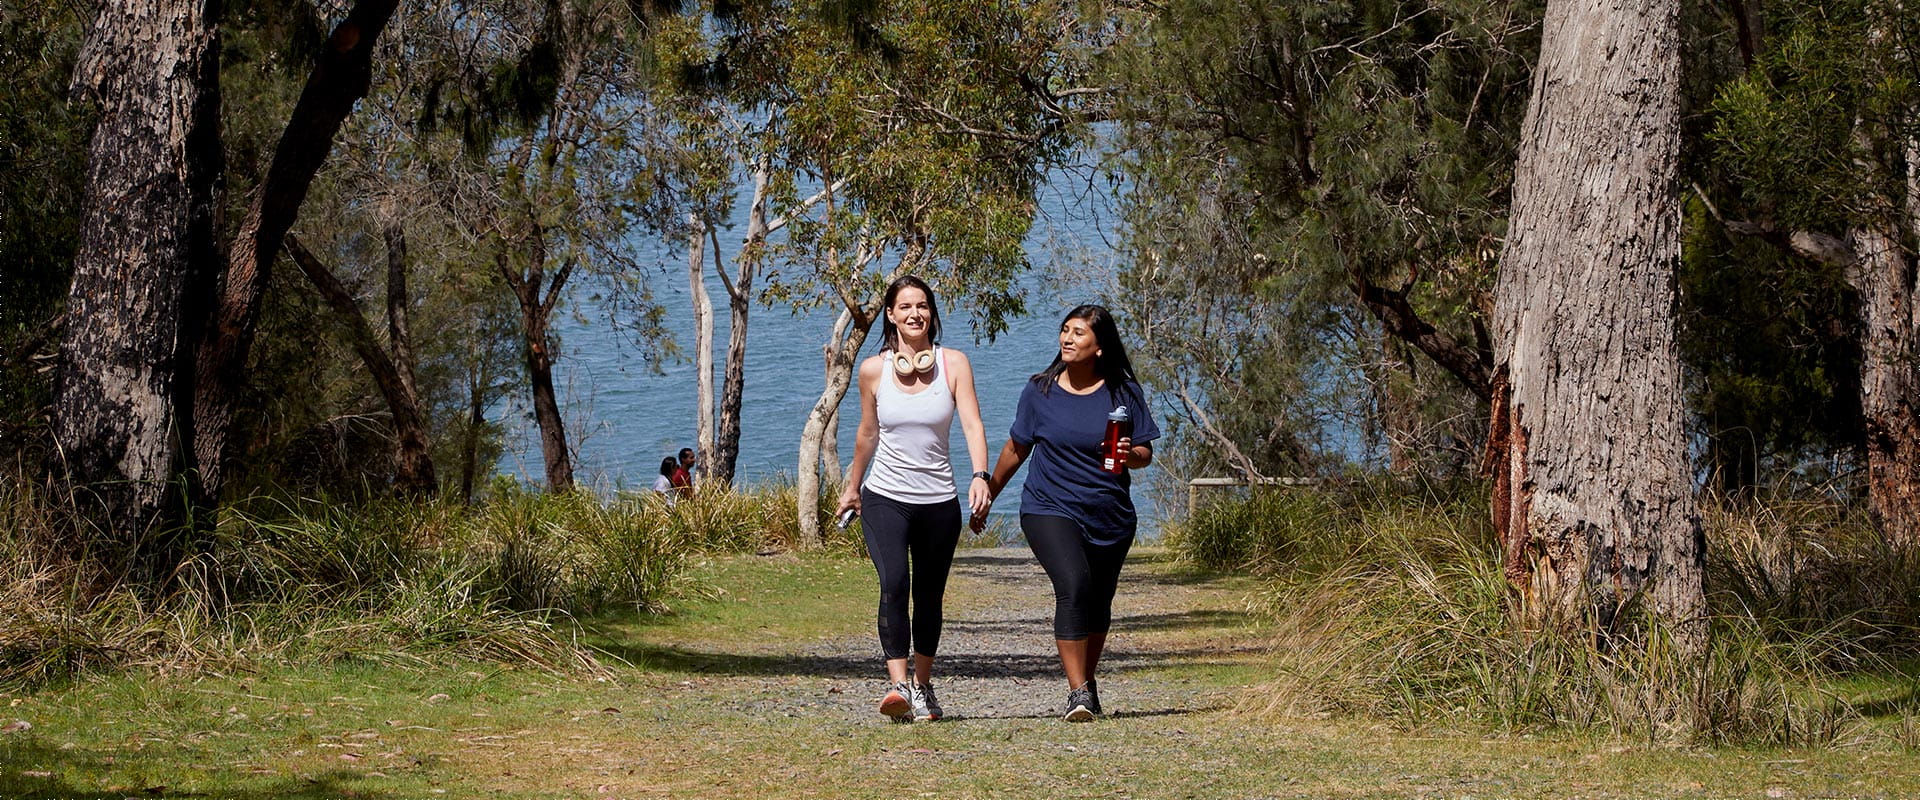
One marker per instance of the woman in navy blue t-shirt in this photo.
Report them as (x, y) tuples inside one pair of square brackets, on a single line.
[(1077, 517)]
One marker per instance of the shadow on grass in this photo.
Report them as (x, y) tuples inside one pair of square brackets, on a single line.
[(1039, 665), (31, 769), (1153, 568), (1055, 714)]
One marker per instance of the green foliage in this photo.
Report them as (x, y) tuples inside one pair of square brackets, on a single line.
[(1790, 128), (1393, 606), (1805, 140), (1773, 361), (933, 114), (1277, 156), (42, 177)]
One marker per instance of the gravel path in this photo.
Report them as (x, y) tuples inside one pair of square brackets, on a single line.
[(997, 659)]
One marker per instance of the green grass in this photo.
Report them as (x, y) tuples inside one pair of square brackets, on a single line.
[(716, 726)]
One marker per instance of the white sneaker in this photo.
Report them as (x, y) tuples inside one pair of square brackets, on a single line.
[(926, 708), (895, 703)]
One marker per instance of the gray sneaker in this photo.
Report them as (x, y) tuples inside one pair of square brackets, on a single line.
[(1093, 693), (926, 707), (1080, 705)]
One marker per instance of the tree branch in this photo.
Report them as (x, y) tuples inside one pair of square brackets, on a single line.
[(1821, 247), (1473, 368)]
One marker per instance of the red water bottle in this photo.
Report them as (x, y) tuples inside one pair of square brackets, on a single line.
[(1118, 425)]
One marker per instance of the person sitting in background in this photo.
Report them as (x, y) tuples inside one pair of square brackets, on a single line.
[(682, 476), (663, 483)]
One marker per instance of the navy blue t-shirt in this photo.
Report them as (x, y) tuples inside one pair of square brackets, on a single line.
[(1064, 477)]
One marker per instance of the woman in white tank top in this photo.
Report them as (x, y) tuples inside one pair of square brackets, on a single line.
[(901, 484)]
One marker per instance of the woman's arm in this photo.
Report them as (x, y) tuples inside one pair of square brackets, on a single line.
[(967, 405), (1012, 455), (864, 437)]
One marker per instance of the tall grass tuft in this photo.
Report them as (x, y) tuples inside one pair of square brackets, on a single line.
[(1392, 606), (282, 579)]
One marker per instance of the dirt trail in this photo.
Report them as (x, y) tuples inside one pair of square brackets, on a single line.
[(997, 659)]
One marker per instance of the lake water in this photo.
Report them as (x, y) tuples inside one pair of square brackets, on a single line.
[(623, 418)]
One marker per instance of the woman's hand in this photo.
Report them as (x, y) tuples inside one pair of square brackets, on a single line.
[(849, 498), (1136, 457), (979, 496), (980, 500)]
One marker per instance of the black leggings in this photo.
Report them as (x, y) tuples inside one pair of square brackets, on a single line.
[(1084, 574), (929, 533)]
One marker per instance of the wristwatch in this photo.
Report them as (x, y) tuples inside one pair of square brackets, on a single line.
[(985, 476)]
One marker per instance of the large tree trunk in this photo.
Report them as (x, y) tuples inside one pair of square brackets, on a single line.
[(536, 309), (124, 386), (703, 344), (341, 76), (1594, 499), (392, 373), (1884, 275)]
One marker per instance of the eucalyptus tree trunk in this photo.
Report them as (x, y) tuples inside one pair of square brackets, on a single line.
[(842, 354), (391, 366), (342, 73), (842, 358), (123, 392), (1592, 494), (739, 307), (739, 288), (702, 344), (1883, 272)]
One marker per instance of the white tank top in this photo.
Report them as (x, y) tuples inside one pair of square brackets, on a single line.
[(910, 461)]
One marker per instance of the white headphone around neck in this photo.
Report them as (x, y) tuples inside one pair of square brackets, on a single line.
[(907, 365)]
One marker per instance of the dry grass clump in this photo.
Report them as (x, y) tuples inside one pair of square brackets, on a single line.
[(280, 579), (1393, 607)]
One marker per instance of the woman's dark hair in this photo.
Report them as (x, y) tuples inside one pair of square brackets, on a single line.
[(889, 338), (668, 465), (1112, 365)]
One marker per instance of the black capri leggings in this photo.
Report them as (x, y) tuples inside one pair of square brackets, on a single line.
[(926, 535), (1084, 574)]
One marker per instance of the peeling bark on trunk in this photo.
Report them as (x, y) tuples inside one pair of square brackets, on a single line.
[(123, 393), (1592, 494), (392, 373), (341, 76)]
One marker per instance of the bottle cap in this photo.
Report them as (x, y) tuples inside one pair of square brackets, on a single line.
[(1119, 415)]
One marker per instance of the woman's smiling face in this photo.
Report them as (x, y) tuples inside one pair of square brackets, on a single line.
[(910, 313), (1077, 342)]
